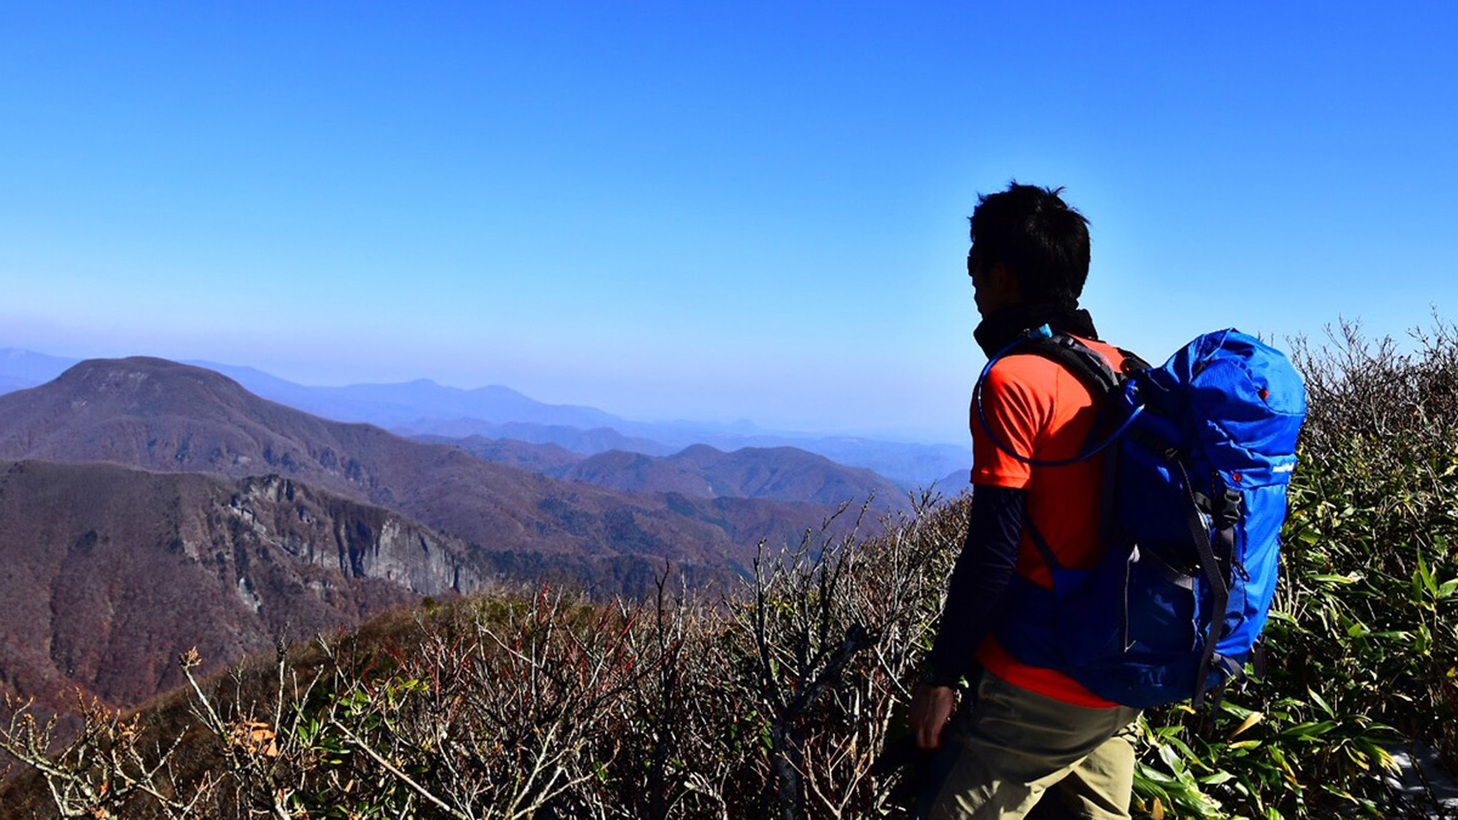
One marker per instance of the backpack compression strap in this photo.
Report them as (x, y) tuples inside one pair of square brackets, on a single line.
[(1216, 572)]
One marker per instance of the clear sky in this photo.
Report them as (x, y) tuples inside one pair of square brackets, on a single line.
[(718, 210)]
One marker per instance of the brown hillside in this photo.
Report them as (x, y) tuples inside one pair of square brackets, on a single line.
[(550, 459), (787, 472), (636, 472), (109, 572)]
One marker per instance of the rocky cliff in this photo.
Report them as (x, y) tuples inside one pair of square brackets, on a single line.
[(108, 572)]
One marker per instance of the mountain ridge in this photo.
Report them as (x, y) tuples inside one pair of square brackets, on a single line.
[(591, 431)]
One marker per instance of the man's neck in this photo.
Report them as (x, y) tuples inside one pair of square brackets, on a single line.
[(999, 329)]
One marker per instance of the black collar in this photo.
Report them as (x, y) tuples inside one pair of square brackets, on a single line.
[(998, 330)]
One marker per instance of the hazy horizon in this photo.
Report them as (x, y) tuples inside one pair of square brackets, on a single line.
[(746, 425)]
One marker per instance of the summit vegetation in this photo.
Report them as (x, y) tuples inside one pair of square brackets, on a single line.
[(779, 699)]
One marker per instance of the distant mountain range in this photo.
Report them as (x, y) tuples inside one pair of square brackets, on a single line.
[(147, 506), (424, 408), (161, 415), (20, 369)]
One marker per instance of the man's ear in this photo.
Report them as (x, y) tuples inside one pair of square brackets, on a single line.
[(1006, 281)]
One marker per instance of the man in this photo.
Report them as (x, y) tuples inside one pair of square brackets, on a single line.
[(1023, 733)]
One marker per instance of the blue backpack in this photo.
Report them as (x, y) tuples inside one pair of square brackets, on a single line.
[(1198, 454)]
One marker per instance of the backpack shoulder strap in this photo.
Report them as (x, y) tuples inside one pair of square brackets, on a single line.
[(1085, 363)]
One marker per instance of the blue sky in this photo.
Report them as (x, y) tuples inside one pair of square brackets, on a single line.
[(713, 211)]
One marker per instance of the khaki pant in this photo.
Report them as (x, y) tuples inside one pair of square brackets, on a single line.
[(1007, 747)]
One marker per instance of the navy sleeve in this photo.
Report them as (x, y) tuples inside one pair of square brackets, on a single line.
[(984, 569)]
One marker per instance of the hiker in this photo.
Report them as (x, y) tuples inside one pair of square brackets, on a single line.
[(1023, 732)]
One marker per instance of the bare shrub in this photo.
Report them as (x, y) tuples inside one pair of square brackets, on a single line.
[(771, 702), (109, 770), (1363, 390)]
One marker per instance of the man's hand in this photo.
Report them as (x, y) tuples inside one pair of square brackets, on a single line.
[(931, 708)]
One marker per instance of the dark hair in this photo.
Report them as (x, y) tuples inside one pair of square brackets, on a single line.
[(1034, 233)]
